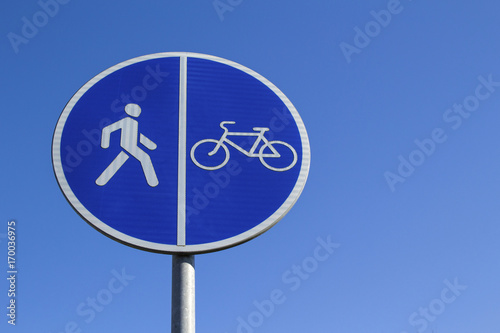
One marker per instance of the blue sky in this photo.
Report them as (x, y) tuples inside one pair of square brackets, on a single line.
[(397, 227)]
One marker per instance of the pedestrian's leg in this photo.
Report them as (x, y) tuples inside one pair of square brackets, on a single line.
[(147, 167), (111, 169)]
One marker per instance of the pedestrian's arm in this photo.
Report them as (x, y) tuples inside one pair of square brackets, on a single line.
[(147, 143), (106, 133)]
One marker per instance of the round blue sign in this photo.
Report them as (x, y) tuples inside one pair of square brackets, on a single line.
[(180, 153)]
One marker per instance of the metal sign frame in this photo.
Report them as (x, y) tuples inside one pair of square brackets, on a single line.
[(168, 248)]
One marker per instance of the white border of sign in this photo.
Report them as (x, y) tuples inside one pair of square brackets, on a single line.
[(166, 248)]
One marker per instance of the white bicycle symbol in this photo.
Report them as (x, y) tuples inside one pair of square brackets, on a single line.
[(250, 153)]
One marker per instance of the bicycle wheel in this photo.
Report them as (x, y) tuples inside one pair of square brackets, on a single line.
[(206, 147), (273, 144)]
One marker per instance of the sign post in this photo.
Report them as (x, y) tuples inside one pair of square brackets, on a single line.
[(180, 153), (183, 294)]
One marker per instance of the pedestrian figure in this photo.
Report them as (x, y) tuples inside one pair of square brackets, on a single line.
[(128, 141)]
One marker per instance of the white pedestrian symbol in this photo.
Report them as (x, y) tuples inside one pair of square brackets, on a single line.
[(128, 141)]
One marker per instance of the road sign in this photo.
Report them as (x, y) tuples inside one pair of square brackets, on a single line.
[(180, 153)]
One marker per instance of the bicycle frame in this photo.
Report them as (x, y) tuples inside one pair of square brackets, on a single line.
[(260, 131)]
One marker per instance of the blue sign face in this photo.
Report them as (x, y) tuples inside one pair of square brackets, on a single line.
[(180, 153)]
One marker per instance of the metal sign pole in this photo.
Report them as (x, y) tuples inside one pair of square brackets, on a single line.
[(183, 296)]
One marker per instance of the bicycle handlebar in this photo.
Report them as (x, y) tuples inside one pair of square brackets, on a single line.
[(226, 122)]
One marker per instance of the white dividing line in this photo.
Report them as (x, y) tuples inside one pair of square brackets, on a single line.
[(181, 179)]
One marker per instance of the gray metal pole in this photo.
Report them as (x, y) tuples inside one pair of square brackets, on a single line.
[(183, 314)]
